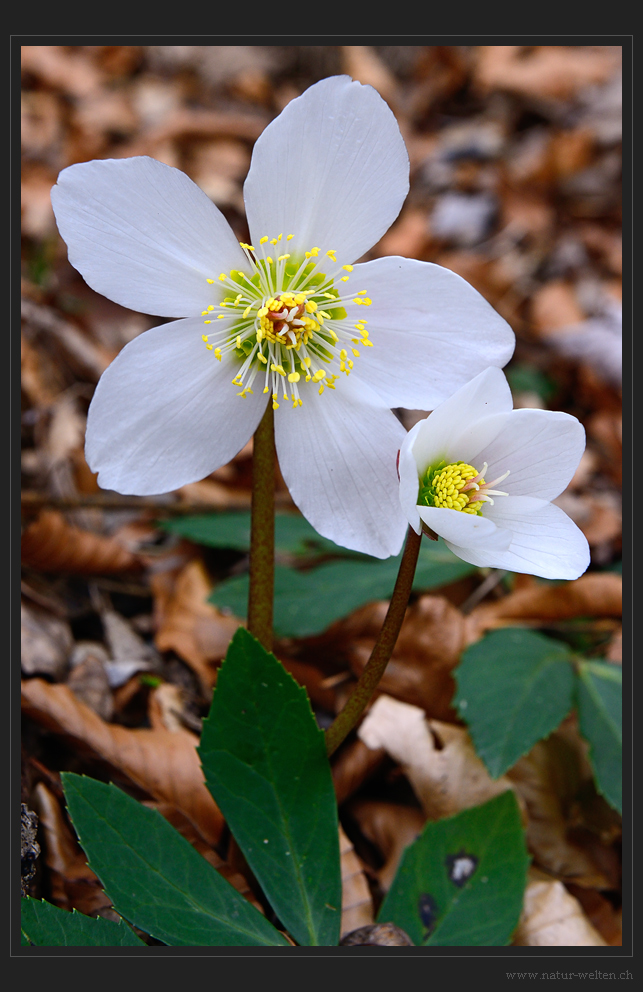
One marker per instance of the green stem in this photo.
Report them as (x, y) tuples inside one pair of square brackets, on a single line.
[(383, 649), (262, 531)]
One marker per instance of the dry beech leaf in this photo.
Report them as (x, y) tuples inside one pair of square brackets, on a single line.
[(352, 766), (551, 917), (89, 683), (446, 778), (377, 935), (544, 779), (600, 912), (391, 828), (162, 762), (555, 306), (50, 544), (362, 63), (598, 594), (427, 650), (554, 72), (73, 884), (45, 642), (165, 705), (188, 624), (357, 905)]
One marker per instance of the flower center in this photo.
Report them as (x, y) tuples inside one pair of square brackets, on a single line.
[(457, 486), (287, 322)]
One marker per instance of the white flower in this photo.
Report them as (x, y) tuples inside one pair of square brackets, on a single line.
[(482, 476), (288, 319)]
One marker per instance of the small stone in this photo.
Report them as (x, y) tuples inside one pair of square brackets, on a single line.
[(377, 935)]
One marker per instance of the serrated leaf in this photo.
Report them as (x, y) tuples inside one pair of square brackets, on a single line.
[(265, 763), (514, 687), (154, 877), (306, 603), (461, 883), (600, 713), (46, 925)]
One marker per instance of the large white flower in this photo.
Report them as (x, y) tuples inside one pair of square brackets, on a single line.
[(288, 319), (482, 476)]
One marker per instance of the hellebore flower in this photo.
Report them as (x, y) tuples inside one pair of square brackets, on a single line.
[(482, 476), (275, 321)]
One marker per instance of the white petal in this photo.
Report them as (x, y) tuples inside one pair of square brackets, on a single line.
[(540, 448), (165, 413), (337, 454), (431, 331), (332, 169), (143, 234), (544, 540), (466, 530), (409, 479), (446, 431)]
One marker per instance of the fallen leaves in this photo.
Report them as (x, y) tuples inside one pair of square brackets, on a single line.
[(437, 758), (551, 917), (162, 762), (50, 544)]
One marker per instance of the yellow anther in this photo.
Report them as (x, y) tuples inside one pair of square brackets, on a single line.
[(366, 301), (294, 377), (343, 353), (357, 300), (290, 237), (217, 353), (266, 390), (268, 259), (321, 388), (238, 340), (247, 310), (282, 257), (273, 241), (223, 276), (262, 358), (307, 362), (204, 337), (207, 321), (263, 240), (311, 306), (209, 347), (361, 292), (347, 268), (262, 312), (355, 352), (220, 316), (344, 279), (210, 281), (275, 405)]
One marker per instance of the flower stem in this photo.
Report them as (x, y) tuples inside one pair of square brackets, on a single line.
[(262, 531), (383, 649)]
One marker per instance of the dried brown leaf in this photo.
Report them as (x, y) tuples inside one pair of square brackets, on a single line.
[(437, 758), (162, 762), (188, 624), (73, 884), (551, 917), (50, 544), (46, 642), (547, 779), (352, 766), (598, 594), (554, 72), (357, 904), (426, 652), (391, 828)]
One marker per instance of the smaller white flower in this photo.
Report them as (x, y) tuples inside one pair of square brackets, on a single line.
[(482, 476)]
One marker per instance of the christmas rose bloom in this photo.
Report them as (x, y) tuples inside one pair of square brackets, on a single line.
[(482, 476), (288, 319)]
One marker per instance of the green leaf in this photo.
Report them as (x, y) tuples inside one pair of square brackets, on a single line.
[(461, 883), (154, 877), (265, 763), (514, 687), (600, 713), (46, 925), (306, 603), (293, 533)]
